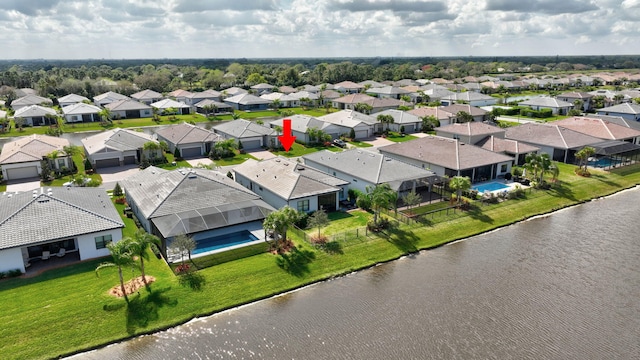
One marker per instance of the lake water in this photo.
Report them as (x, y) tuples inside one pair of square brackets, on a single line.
[(565, 286)]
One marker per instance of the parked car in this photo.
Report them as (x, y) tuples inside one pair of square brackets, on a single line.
[(72, 184), (339, 143)]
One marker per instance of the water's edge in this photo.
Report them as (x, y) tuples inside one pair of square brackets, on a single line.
[(342, 274)]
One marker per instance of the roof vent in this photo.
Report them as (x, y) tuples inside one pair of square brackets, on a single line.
[(192, 176), (35, 195)]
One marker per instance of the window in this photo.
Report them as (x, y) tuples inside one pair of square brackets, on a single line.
[(503, 168), (61, 163), (303, 205), (102, 241)]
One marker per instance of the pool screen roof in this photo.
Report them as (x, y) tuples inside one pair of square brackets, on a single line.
[(613, 147)]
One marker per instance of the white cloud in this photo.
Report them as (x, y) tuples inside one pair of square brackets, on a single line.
[(316, 28)]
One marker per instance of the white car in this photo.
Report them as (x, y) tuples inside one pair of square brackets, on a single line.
[(72, 184)]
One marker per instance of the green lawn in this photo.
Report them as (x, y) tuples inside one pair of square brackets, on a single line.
[(169, 165), (395, 137), (359, 143), (78, 160), (68, 309), (300, 150), (237, 159)]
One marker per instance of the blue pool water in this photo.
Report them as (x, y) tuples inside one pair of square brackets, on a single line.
[(491, 186), (223, 241), (604, 162)]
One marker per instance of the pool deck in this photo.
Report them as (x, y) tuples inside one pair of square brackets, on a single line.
[(172, 258), (510, 183)]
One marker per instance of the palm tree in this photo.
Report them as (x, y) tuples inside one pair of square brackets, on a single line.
[(275, 104), (105, 114), (385, 119), (459, 184), (583, 155), (538, 164), (182, 244), (122, 256), (151, 147), (279, 222), (363, 108), (380, 196), (19, 122), (411, 199), (139, 245)]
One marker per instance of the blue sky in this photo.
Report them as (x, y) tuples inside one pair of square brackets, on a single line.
[(116, 29)]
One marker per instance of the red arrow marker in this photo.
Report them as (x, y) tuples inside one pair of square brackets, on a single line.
[(286, 139)]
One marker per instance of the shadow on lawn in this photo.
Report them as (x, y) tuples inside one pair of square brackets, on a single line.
[(562, 190), (296, 262), (475, 212), (404, 240), (332, 247), (143, 309), (604, 179)]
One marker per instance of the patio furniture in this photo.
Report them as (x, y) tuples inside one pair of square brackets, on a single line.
[(46, 255), (61, 253)]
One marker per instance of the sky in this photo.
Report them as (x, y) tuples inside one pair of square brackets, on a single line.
[(145, 29)]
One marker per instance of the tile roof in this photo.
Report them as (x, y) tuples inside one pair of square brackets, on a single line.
[(31, 148), (185, 201), (262, 86), (302, 123), (472, 128), (508, 146), (545, 101), (207, 94), (146, 94), (241, 128), (55, 213), (455, 108), (354, 99), (279, 96), (110, 95), (624, 108), (448, 153), (187, 134), (31, 100), (575, 95), (72, 98), (348, 118), (348, 85), (169, 103), (126, 104), (549, 135), (33, 110), (232, 91), (179, 93), (598, 128), (372, 167), (116, 140), (246, 99), (616, 120), (80, 108), (401, 117), (217, 104), (387, 90), (468, 96), (288, 179)]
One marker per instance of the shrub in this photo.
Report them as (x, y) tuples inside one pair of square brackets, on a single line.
[(117, 190), (121, 200), (507, 176), (87, 165), (94, 183), (182, 268), (363, 202)]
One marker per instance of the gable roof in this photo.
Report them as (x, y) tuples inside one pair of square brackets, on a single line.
[(453, 109), (472, 128), (80, 108), (401, 117), (354, 99), (598, 128), (33, 110), (468, 96), (186, 134), (388, 90), (31, 148), (545, 101), (60, 212), (109, 96), (246, 99), (372, 167), (550, 135), (186, 201), (348, 118), (288, 179), (217, 104), (116, 140), (72, 98), (179, 93), (126, 104), (348, 85), (447, 153), (146, 94), (241, 128), (169, 103), (302, 123), (624, 108), (500, 145), (31, 99)]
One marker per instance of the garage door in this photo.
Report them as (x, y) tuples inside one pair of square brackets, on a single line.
[(408, 129), (22, 173), (129, 160), (191, 152), (107, 163), (361, 134), (251, 144)]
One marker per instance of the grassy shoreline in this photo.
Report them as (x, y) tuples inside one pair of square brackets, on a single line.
[(72, 304)]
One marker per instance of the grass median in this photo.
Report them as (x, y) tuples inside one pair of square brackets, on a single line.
[(68, 310)]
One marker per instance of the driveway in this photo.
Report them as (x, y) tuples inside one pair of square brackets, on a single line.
[(261, 154), (112, 175), (23, 185), (378, 141), (203, 161)]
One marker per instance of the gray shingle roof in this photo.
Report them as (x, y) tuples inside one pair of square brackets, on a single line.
[(550, 135), (186, 134), (373, 167), (288, 179), (55, 213), (185, 201)]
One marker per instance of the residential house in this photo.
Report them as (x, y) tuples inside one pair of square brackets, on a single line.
[(477, 113), (233, 91), (328, 96), (281, 182), (450, 157), (387, 92), (470, 97), (469, 132), (516, 149), (443, 117), (247, 102), (560, 143), (168, 106), (433, 95), (128, 109), (313, 89), (301, 124), (284, 101), (22, 158), (369, 84), (36, 115), (616, 120), (349, 102), (348, 87), (199, 203), (285, 89), (310, 98), (363, 169), (29, 100), (557, 107), (363, 125), (81, 112), (575, 97), (71, 99), (117, 147), (107, 98), (627, 111), (147, 96), (262, 88), (190, 140), (77, 223), (22, 92), (180, 95), (211, 107), (403, 121), (253, 136), (194, 98), (601, 129)]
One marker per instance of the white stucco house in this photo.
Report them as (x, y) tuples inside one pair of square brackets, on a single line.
[(117, 147), (22, 158)]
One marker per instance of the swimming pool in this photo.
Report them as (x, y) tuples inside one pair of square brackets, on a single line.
[(604, 162), (490, 186), (223, 241)]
